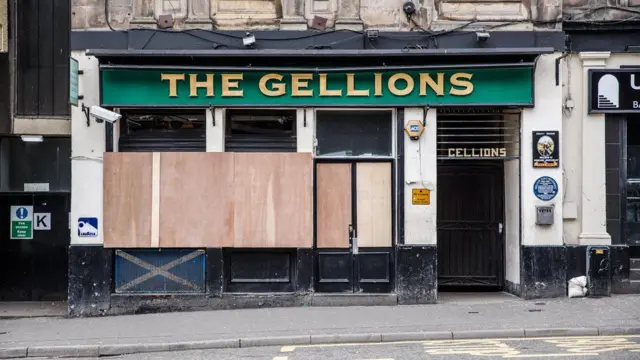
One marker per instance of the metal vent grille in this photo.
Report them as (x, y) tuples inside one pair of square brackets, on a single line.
[(475, 134)]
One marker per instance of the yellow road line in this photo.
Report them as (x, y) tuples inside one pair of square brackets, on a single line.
[(546, 355), (455, 341)]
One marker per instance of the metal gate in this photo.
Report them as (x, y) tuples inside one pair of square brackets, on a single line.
[(472, 147), (162, 130), (470, 213), (260, 130)]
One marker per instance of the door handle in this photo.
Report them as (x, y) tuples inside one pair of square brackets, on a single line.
[(500, 228), (353, 237), (355, 245)]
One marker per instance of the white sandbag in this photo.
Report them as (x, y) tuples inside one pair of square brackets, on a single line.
[(577, 287), (580, 281)]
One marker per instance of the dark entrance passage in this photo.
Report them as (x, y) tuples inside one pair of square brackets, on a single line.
[(470, 224)]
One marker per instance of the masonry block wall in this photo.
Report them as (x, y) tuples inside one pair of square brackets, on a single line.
[(300, 14)]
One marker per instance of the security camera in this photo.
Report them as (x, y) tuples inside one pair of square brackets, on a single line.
[(409, 8), (102, 114)]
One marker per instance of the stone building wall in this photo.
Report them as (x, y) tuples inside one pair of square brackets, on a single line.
[(601, 10), (318, 14)]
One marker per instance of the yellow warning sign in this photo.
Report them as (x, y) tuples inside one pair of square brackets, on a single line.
[(420, 197)]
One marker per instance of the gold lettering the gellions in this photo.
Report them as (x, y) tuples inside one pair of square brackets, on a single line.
[(173, 82), (305, 84), (230, 85), (277, 88)]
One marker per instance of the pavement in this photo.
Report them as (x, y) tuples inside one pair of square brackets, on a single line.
[(456, 316)]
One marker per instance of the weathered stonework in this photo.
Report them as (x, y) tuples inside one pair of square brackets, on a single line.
[(327, 9), (582, 10), (340, 14), (4, 26)]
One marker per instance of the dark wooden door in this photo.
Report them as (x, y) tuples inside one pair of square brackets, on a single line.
[(354, 231), (470, 224)]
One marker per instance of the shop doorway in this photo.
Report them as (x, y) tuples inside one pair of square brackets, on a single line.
[(354, 231), (478, 180), (470, 224)]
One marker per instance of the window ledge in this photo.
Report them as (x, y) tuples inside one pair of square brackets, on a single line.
[(42, 125)]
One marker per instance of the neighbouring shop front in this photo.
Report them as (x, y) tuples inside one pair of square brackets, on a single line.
[(614, 99), (35, 185), (356, 173)]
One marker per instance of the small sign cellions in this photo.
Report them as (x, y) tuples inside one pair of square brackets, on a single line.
[(546, 149)]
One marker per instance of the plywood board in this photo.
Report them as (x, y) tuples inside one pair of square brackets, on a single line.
[(127, 199), (273, 200), (374, 212), (333, 205), (196, 199)]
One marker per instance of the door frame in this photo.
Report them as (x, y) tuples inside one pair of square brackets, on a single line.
[(499, 166), (355, 282)]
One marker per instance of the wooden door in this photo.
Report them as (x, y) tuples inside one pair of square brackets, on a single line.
[(354, 232)]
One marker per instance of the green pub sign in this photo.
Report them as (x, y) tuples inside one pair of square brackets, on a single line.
[(153, 87)]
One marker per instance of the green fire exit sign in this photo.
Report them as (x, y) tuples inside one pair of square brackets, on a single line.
[(22, 222)]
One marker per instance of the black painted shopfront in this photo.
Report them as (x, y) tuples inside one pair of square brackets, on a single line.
[(352, 259)]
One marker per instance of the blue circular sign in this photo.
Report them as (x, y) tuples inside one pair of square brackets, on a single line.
[(22, 213), (545, 188)]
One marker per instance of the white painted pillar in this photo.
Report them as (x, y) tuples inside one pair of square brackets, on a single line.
[(546, 115), (305, 133), (87, 149), (593, 209), (215, 133), (420, 171)]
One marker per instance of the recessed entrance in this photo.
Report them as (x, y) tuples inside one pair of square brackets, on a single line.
[(470, 224), (473, 150)]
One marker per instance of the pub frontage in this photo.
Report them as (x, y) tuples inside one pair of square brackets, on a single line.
[(244, 178)]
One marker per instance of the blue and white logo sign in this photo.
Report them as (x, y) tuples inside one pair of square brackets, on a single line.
[(22, 213), (88, 227), (545, 188)]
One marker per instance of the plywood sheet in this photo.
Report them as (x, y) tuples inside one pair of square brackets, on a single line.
[(196, 199), (273, 200), (333, 204), (127, 199), (374, 212)]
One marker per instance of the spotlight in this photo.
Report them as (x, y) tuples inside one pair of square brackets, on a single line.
[(482, 36), (249, 40), (373, 34)]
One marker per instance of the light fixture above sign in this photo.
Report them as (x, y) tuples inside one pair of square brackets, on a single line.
[(32, 138)]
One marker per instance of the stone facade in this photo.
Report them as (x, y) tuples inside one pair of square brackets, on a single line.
[(300, 14), (601, 10), (4, 28)]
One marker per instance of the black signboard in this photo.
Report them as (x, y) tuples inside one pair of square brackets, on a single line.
[(546, 149), (614, 91)]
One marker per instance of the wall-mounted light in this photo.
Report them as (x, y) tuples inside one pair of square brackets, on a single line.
[(373, 34), (31, 138), (249, 40), (482, 36)]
